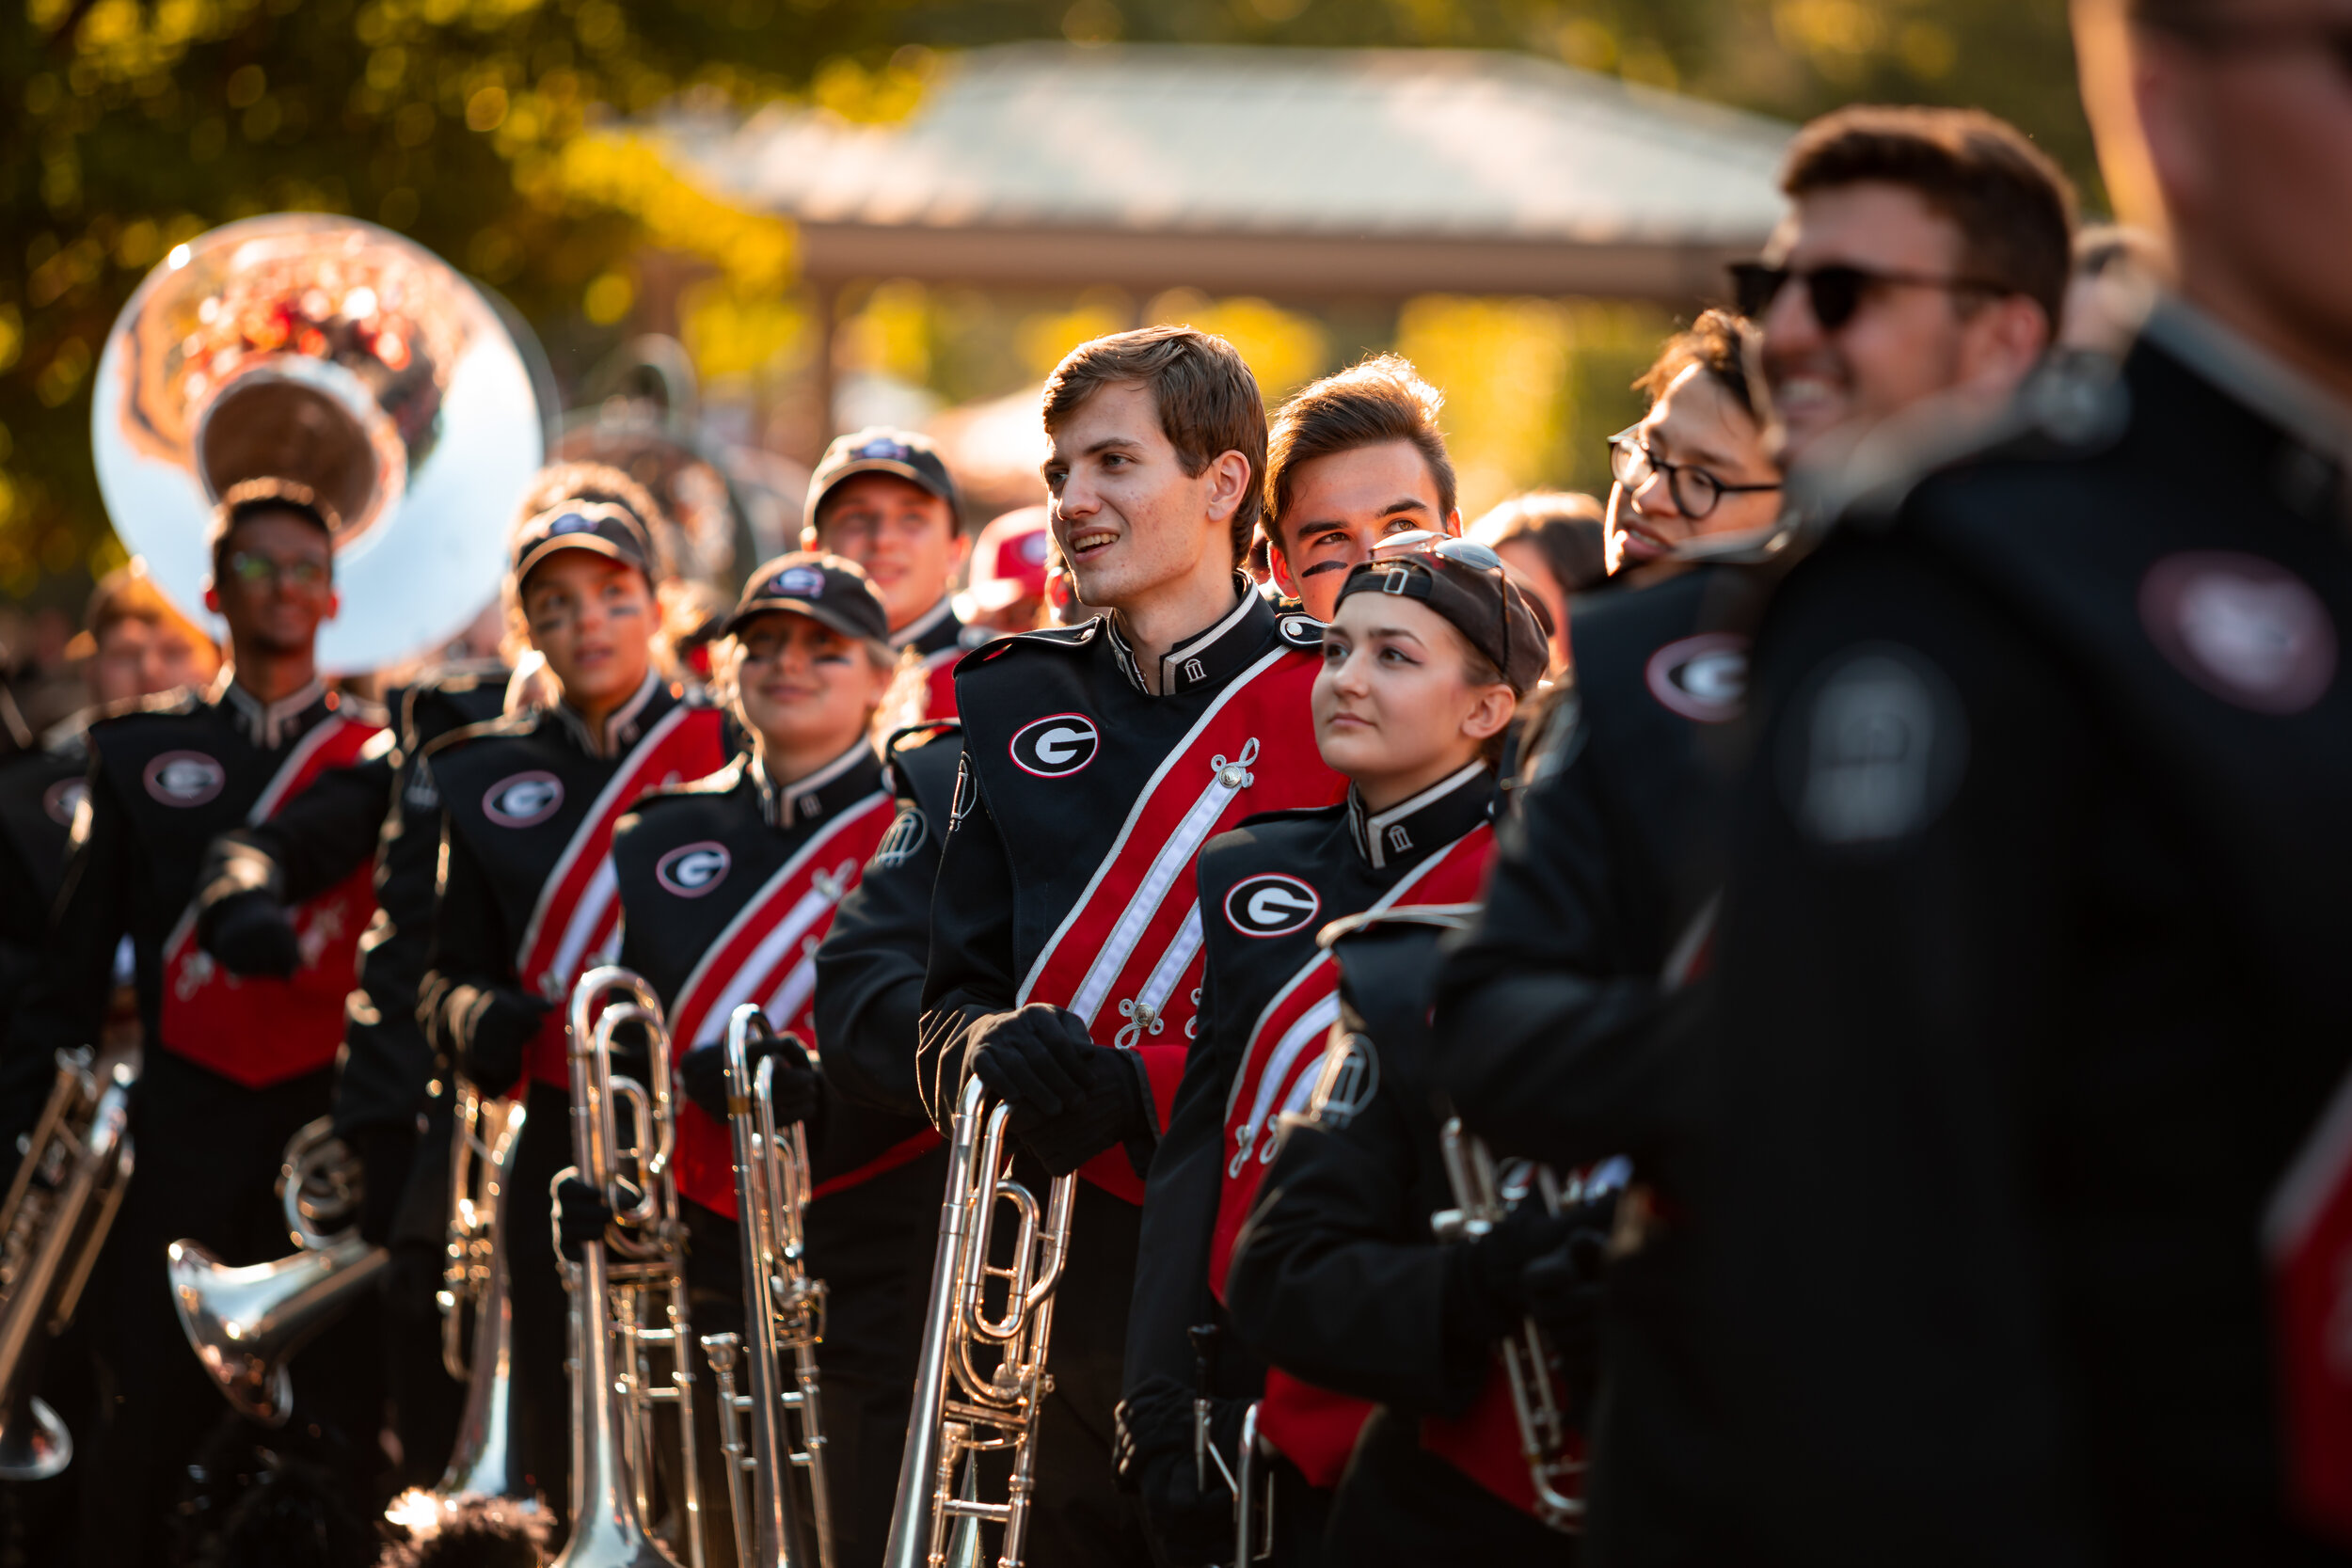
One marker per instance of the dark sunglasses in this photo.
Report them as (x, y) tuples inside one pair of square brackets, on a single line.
[(2224, 34), (1835, 292), (259, 570)]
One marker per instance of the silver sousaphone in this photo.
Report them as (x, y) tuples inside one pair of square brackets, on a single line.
[(325, 350)]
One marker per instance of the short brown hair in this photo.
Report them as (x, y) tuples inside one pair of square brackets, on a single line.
[(2013, 208), (1564, 526), (1370, 405), (1206, 398), (1718, 343)]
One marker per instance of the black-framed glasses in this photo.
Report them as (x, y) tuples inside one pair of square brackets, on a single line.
[(1696, 491), (259, 571), (1835, 292)]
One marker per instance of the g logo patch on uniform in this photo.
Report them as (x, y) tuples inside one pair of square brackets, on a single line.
[(904, 837), (1874, 750), (1703, 679), (691, 870), (184, 778), (63, 799), (2244, 628), (1058, 746), (1270, 904), (523, 800)]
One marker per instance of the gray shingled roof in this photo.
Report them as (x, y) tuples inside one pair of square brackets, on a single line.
[(1316, 170)]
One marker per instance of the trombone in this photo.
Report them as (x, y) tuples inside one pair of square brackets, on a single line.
[(990, 1411), (785, 1311), (1483, 1195), (59, 1207), (637, 1270), (474, 1277)]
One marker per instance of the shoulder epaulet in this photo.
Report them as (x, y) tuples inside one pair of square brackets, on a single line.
[(1444, 917), (489, 729), (913, 737), (1044, 637), (1289, 814), (360, 710), (184, 698), (720, 783), (1299, 629)]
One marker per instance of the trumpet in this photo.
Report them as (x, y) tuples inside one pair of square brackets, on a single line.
[(785, 1310), (245, 1323), (1483, 1195), (56, 1217), (639, 1268), (985, 1412), (473, 1278)]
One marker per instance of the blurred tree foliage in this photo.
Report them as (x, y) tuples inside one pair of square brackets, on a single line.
[(489, 130)]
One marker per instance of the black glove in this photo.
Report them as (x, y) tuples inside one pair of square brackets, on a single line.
[(1033, 1060), (1493, 1268), (1152, 1446), (498, 1024), (1109, 1110), (581, 1214), (386, 1154), (1563, 1292), (252, 936), (794, 1084)]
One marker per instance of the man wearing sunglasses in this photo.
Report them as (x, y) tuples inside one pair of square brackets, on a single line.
[(2016, 1214), (1924, 259), (231, 1068)]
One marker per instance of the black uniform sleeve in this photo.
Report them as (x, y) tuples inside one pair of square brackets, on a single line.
[(322, 836), (469, 952), (1180, 1203), (1337, 1279), (869, 980), (66, 1002), (387, 1059), (970, 977), (1543, 1029), (24, 928)]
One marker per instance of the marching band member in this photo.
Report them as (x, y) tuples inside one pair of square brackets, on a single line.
[(1065, 946), (882, 499), (1557, 1014), (525, 901), (1418, 683), (1353, 459), (727, 887), (230, 1069)]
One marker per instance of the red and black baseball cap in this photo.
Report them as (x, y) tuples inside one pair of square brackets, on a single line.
[(825, 588), (879, 450), (572, 524), (1465, 582)]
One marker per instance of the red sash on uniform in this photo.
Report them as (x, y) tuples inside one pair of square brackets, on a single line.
[(1314, 1428), (939, 682), (261, 1031), (1483, 1441), (1127, 957), (2306, 1241), (768, 955), (578, 917)]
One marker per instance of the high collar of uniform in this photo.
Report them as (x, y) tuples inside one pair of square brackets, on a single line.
[(268, 725), (624, 727), (850, 777), (1208, 657), (931, 631), (1398, 837)]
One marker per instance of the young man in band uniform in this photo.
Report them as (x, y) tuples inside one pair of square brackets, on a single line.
[(230, 1071), (1351, 460), (1417, 688), (1065, 951), (727, 886), (1604, 895), (883, 500), (2043, 1002), (525, 901)]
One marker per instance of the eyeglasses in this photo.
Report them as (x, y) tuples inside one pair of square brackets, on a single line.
[(2216, 33), (1468, 552), (257, 571), (1835, 292), (1695, 490)]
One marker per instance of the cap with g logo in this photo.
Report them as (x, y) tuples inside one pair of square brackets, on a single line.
[(609, 531), (824, 588), (878, 450)]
